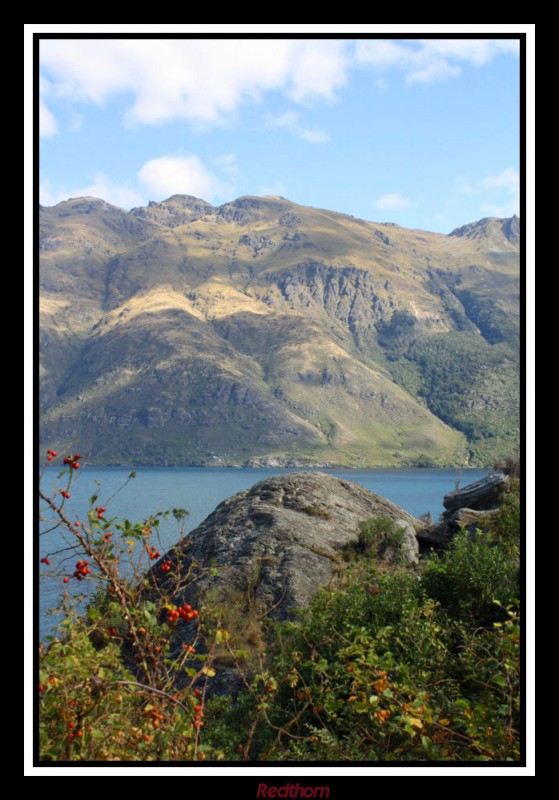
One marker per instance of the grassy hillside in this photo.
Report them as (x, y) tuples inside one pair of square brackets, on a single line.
[(184, 333)]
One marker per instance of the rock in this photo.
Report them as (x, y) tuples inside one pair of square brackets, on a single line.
[(467, 518), (409, 551), (434, 536), (280, 541), (471, 508), (481, 495)]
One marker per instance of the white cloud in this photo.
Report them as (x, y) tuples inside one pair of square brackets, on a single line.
[(207, 81), (474, 51), (170, 175), (122, 195), (314, 136), (508, 179), (293, 121), (203, 81), (433, 71), (392, 202), (430, 60), (157, 179), (47, 122), (499, 193), (228, 165)]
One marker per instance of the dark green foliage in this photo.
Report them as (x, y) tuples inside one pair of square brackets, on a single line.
[(396, 336), (450, 365), (472, 576), (377, 534), (494, 324)]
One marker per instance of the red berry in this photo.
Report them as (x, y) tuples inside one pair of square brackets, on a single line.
[(49, 458), (197, 709), (41, 687), (66, 580), (45, 560), (79, 734)]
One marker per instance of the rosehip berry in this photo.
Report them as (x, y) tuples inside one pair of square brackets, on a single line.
[(45, 560), (66, 580)]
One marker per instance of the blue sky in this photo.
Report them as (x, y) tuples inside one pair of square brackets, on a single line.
[(422, 132)]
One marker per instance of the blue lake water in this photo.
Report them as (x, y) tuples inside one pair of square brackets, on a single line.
[(200, 490)]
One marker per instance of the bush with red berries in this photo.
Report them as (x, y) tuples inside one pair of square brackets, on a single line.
[(115, 682)]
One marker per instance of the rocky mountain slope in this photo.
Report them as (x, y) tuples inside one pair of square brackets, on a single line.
[(262, 331)]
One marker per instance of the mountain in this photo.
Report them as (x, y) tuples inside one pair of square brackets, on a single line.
[(262, 331)]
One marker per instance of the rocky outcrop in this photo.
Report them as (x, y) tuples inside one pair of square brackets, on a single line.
[(481, 495), (470, 508), (281, 541)]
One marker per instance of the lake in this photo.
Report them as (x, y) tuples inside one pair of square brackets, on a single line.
[(200, 490)]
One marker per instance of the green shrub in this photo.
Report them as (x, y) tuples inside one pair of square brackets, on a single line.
[(470, 577)]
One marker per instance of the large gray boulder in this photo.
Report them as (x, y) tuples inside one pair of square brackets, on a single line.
[(280, 541)]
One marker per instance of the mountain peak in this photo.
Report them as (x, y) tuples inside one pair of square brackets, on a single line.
[(491, 229)]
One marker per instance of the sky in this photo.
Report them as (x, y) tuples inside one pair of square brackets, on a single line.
[(421, 132)]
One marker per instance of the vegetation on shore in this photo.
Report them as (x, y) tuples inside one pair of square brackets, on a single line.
[(387, 664)]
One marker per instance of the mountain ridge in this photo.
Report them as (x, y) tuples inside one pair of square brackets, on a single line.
[(261, 330)]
